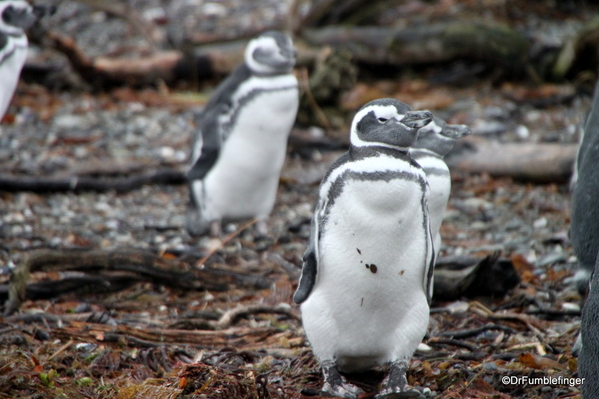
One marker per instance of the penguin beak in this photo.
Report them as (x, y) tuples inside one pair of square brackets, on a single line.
[(289, 52), (417, 119), (456, 131)]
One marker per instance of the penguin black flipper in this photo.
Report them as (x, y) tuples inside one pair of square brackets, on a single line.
[(211, 135), (310, 258), (3, 45), (429, 277), (310, 262), (308, 277)]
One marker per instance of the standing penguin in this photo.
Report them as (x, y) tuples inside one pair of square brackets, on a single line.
[(435, 140), (240, 147), (584, 234), (365, 283), (15, 17)]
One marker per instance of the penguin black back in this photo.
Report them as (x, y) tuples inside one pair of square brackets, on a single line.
[(584, 226)]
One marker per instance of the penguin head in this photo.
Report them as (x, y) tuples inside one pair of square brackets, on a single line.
[(16, 16), (271, 53), (439, 137), (387, 122)]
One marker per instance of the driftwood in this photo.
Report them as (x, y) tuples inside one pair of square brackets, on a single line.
[(87, 183), (163, 65), (536, 162), (430, 43), (110, 270)]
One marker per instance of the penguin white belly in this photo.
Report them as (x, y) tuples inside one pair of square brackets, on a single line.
[(439, 180), (244, 180), (10, 70), (369, 305)]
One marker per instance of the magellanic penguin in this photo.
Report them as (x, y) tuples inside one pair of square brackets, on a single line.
[(584, 234), (435, 140), (15, 17), (365, 283), (240, 147), (584, 225)]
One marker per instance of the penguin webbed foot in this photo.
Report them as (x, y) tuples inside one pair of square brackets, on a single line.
[(336, 385), (395, 385)]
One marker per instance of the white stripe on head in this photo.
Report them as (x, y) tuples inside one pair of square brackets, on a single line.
[(276, 49), (382, 112), (18, 5)]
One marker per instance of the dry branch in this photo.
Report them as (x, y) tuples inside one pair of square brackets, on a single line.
[(232, 315), (87, 183), (112, 270), (167, 65), (230, 337)]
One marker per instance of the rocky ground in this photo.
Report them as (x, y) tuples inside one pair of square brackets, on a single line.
[(146, 339)]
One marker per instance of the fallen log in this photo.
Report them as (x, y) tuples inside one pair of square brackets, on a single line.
[(535, 162), (431, 43)]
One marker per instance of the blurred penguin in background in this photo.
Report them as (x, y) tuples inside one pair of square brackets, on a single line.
[(436, 140), (16, 16), (241, 143)]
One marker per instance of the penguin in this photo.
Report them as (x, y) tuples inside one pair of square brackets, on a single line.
[(16, 16), (365, 287), (584, 235), (240, 146), (584, 224), (435, 140), (588, 352)]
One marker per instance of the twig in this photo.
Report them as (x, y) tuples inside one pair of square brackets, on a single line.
[(475, 331), (454, 342), (225, 240), (232, 315), (62, 349), (292, 270), (320, 115)]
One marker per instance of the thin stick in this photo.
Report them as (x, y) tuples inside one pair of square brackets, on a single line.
[(320, 115), (62, 349), (225, 241)]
